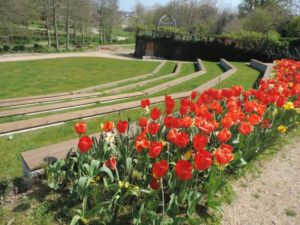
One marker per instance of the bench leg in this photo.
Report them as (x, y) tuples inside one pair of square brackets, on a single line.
[(30, 176)]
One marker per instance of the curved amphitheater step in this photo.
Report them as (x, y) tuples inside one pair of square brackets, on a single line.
[(142, 83), (50, 99), (82, 91), (66, 105), (17, 126), (87, 102)]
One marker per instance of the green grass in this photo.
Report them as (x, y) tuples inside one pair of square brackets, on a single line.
[(213, 70), (245, 76), (186, 69), (37, 77), (167, 68)]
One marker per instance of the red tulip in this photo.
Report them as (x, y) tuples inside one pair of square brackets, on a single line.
[(145, 103), (224, 135), (154, 183), (155, 149), (160, 169), (122, 127), (184, 170), (203, 160), (153, 128), (155, 114), (223, 156), (80, 127), (111, 163), (84, 144), (143, 122), (245, 128), (200, 141), (108, 126), (182, 140)]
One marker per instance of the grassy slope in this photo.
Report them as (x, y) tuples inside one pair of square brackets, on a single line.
[(245, 76), (20, 79), (186, 69)]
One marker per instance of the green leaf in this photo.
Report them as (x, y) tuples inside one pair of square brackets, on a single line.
[(128, 164), (75, 220), (193, 200), (94, 168), (108, 172)]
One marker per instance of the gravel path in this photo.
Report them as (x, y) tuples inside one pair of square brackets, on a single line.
[(112, 52), (272, 195)]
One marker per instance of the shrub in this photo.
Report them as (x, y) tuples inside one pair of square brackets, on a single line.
[(166, 167), (6, 48), (19, 48)]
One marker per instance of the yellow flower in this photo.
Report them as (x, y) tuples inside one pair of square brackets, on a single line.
[(126, 185), (298, 110), (288, 106), (137, 175), (121, 184), (281, 129), (188, 154), (136, 189)]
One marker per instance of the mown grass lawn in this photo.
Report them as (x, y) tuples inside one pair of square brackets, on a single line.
[(38, 77), (245, 76)]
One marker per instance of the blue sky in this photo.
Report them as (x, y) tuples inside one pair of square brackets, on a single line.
[(127, 5)]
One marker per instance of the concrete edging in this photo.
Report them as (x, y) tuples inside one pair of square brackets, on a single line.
[(265, 68)]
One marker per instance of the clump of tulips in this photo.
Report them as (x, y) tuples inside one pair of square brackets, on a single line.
[(169, 166)]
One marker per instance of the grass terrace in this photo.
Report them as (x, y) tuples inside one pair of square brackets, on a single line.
[(49, 76)]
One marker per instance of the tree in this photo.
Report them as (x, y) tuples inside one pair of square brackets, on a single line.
[(293, 28)]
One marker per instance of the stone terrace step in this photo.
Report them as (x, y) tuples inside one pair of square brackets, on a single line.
[(50, 99), (65, 105), (142, 83), (265, 68)]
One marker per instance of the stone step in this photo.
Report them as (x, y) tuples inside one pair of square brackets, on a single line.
[(66, 105)]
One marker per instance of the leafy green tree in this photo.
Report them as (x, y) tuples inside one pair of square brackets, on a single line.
[(293, 28)]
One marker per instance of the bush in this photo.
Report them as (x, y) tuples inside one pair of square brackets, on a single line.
[(19, 48), (168, 167), (6, 48)]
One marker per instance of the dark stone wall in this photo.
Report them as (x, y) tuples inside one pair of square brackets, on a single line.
[(172, 49)]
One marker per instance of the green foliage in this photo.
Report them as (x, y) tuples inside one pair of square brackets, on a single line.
[(293, 28)]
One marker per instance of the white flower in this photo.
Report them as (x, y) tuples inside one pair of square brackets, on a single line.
[(110, 137)]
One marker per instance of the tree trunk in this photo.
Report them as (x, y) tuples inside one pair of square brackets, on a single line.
[(47, 23), (82, 34), (48, 33), (55, 24), (75, 34), (68, 26)]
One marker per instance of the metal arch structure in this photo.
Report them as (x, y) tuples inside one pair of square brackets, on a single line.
[(171, 21)]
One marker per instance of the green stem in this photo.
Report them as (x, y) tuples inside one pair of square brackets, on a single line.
[(163, 197)]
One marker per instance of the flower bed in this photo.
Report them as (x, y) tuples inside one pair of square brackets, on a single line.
[(168, 168)]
